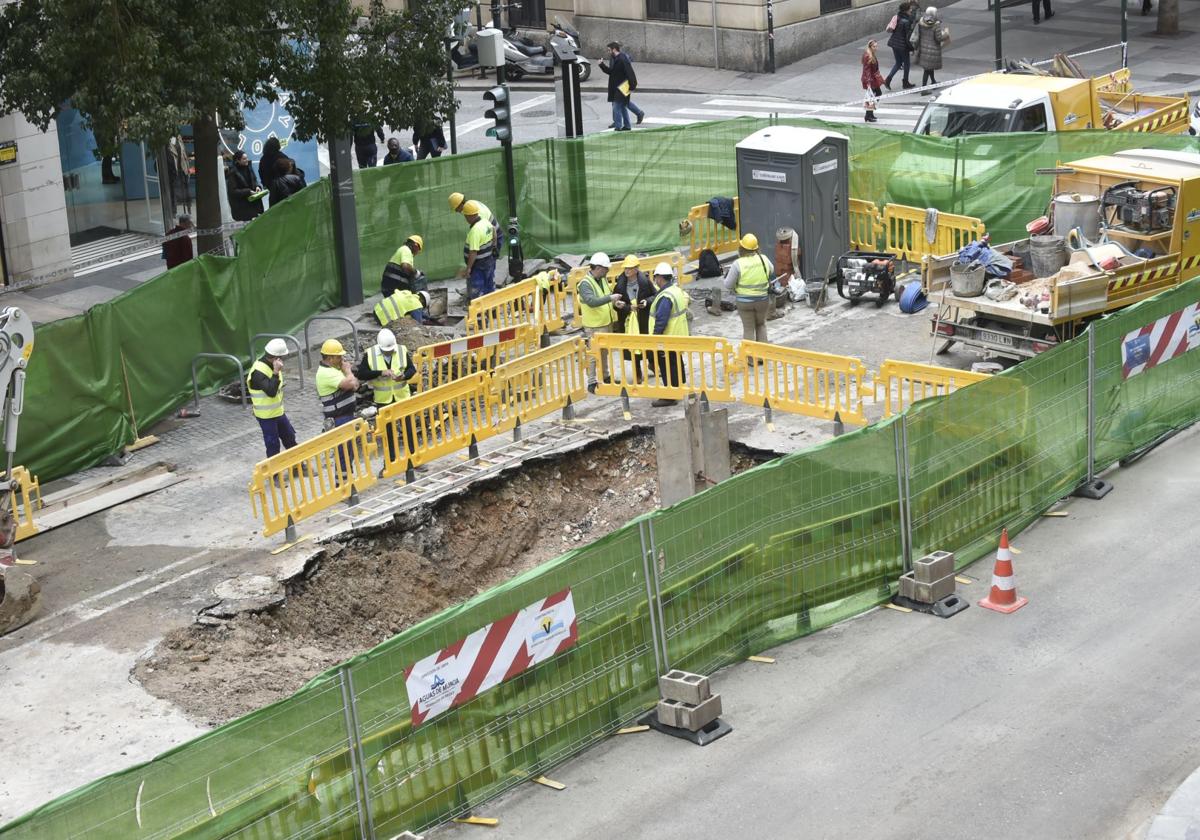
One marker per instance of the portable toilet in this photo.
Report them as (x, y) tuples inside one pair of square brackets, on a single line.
[(798, 178)]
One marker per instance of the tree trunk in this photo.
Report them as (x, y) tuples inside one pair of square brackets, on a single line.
[(208, 184), (1168, 17)]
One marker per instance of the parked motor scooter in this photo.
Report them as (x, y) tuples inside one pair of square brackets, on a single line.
[(560, 35), (523, 58)]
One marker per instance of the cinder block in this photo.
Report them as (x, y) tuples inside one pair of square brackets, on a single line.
[(695, 718), (668, 712), (926, 593), (684, 687), (934, 566)]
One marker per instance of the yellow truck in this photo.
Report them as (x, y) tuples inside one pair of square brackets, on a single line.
[(1148, 203), (1004, 102)]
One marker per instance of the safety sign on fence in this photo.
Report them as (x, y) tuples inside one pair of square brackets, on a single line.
[(489, 656), (1160, 341)]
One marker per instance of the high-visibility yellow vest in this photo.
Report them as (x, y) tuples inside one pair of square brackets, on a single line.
[(481, 238), (334, 401), (752, 277), (597, 316), (403, 256), (265, 407), (677, 325), (396, 305), (388, 391)]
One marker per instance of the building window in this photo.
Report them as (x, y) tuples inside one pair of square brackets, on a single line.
[(667, 10), (828, 6), (531, 15)]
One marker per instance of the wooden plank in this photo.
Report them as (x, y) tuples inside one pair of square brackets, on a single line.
[(78, 502)]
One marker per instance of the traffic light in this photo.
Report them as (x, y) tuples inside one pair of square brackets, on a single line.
[(500, 112)]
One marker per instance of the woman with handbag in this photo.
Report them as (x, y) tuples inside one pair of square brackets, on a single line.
[(931, 35), (901, 27), (872, 81)]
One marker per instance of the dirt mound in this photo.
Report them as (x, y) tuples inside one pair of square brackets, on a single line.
[(371, 588)]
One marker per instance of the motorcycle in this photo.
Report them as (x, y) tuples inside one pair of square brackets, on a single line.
[(562, 35), (524, 58)]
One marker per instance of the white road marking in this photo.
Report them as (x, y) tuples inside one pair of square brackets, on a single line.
[(913, 109), (668, 121), (516, 109)]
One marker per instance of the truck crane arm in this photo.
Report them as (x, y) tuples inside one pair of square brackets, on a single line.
[(19, 592)]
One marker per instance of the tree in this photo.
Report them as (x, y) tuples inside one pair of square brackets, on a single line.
[(1168, 17)]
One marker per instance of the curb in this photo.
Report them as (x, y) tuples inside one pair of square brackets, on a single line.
[(517, 87), (1180, 817)]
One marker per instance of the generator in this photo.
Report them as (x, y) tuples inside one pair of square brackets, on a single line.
[(862, 273), (1124, 206), (798, 178)]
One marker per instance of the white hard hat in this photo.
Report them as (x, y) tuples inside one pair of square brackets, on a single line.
[(277, 347), (386, 340), (600, 258), (664, 269), (424, 296)]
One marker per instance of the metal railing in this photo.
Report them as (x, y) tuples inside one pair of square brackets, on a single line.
[(196, 387)]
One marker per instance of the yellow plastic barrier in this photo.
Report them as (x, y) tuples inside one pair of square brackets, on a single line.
[(866, 225), (802, 381), (519, 304), (697, 364), (26, 498), (905, 228), (645, 264), (434, 423), (540, 383), (705, 233), (312, 476), (904, 383), (446, 361)]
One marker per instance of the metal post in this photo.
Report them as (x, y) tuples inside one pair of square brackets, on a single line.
[(1124, 33), (662, 624), (770, 36), (354, 744), (516, 262), (999, 47), (568, 99), (901, 435), (453, 110), (650, 600), (1092, 487), (345, 221), (716, 48)]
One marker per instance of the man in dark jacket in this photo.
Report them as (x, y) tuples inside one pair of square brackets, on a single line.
[(179, 250), (365, 148), (622, 82), (240, 184), (289, 180), (395, 154), (901, 44), (272, 151), (429, 139)]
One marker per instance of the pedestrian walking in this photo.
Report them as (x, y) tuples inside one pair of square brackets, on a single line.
[(749, 278), (179, 250), (669, 310), (365, 149), (900, 41), (872, 81), (622, 82), (401, 269), (596, 299), (288, 179), (240, 186), (429, 139), (271, 152), (634, 293), (1146, 7), (395, 153), (1045, 4), (265, 387), (479, 252), (387, 367), (931, 35)]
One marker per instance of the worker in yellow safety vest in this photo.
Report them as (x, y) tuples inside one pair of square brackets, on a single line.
[(402, 304), (336, 384), (387, 368), (458, 203), (401, 270), (265, 387), (669, 310), (749, 278), (596, 299), (478, 254)]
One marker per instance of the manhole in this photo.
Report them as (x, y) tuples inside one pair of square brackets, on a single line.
[(539, 113)]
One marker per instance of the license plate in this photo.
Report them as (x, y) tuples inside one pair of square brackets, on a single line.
[(996, 338)]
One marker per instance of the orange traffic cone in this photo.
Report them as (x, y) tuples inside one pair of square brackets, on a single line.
[(1003, 597)]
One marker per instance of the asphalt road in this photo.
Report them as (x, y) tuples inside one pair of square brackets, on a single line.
[(1075, 717)]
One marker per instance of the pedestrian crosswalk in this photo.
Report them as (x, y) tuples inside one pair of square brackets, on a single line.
[(892, 114)]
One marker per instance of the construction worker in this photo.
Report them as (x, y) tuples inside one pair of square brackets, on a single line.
[(402, 304), (458, 203), (479, 253), (401, 270), (749, 278), (387, 368), (336, 384), (635, 291), (596, 299), (669, 311), (265, 386)]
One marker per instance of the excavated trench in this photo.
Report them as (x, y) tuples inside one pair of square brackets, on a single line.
[(365, 589)]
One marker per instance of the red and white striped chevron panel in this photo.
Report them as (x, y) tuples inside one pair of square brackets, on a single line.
[(489, 656), (1160, 341)]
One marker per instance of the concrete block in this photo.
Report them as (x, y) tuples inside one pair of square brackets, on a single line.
[(673, 448), (695, 718), (669, 712), (926, 593), (934, 566), (684, 687)]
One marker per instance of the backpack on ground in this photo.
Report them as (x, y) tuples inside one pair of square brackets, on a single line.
[(710, 266)]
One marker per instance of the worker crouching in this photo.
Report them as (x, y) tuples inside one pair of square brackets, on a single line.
[(401, 270), (402, 304)]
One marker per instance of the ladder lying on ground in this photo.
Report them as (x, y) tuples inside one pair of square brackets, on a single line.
[(430, 487)]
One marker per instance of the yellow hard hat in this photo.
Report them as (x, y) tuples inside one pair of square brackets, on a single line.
[(749, 242), (332, 347), (417, 240), (630, 262), (456, 201), (471, 208)]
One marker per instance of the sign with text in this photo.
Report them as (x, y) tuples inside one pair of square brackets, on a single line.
[(1160, 341)]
